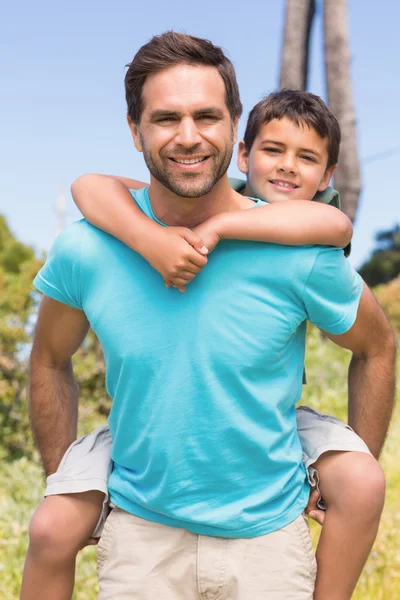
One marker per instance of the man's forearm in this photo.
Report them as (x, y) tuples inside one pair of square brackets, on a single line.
[(372, 396), (53, 408)]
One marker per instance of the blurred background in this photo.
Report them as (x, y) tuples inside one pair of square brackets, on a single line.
[(62, 113)]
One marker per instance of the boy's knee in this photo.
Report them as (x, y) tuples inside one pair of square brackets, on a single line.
[(45, 537), (361, 485)]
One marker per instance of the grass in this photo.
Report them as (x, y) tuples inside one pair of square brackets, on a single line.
[(21, 489)]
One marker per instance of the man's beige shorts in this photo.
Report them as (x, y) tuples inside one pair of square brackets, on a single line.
[(143, 560)]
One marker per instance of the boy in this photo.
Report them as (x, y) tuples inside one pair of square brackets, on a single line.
[(289, 153)]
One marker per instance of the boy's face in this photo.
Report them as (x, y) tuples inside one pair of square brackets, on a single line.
[(286, 162)]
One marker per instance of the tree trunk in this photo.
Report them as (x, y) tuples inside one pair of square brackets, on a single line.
[(296, 41), (340, 101)]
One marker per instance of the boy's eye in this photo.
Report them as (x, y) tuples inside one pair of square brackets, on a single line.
[(273, 150), (308, 158)]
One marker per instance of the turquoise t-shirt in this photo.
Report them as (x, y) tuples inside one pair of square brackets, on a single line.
[(204, 384)]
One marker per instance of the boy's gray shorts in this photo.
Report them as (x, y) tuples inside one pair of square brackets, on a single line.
[(87, 463)]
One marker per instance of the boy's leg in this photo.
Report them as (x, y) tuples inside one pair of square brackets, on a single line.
[(60, 527), (67, 517), (352, 485)]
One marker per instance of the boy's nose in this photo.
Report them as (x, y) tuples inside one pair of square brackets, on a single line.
[(287, 163)]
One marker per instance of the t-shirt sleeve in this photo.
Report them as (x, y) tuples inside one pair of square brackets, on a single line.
[(60, 276), (332, 292)]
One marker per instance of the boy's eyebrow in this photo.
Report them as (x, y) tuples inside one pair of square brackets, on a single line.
[(308, 150)]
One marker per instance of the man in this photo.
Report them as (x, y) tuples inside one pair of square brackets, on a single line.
[(208, 484)]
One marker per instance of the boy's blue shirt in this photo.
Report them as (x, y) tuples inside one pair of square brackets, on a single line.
[(204, 384)]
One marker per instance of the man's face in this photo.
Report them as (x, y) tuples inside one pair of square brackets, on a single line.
[(286, 162), (186, 133)]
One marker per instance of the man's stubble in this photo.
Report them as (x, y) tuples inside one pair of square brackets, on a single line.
[(189, 185)]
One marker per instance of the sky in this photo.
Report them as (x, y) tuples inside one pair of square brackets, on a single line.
[(62, 105)]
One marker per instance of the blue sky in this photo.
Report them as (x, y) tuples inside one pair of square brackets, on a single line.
[(62, 98)]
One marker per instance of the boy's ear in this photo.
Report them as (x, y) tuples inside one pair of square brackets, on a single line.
[(135, 134), (243, 158), (326, 178)]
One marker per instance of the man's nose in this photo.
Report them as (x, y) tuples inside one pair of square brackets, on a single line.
[(188, 134)]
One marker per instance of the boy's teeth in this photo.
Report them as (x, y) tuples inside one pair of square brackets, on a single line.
[(188, 162), (284, 184)]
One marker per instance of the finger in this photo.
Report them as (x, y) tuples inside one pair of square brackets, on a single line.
[(317, 515), (179, 282), (195, 241), (197, 259), (312, 501)]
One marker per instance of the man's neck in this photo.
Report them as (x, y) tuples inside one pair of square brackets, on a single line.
[(171, 209)]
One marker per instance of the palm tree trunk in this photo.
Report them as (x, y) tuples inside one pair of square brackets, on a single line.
[(296, 41), (340, 100)]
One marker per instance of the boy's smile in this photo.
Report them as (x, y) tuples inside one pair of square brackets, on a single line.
[(286, 162)]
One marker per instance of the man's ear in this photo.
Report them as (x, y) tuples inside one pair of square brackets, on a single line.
[(326, 178), (243, 158), (235, 126), (135, 134)]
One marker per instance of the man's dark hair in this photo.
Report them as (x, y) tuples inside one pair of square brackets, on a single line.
[(303, 108), (168, 50)]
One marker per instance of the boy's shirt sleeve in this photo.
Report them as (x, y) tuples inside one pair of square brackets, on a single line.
[(332, 292), (60, 276), (328, 196)]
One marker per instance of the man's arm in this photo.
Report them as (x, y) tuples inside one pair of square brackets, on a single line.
[(53, 392), (371, 372)]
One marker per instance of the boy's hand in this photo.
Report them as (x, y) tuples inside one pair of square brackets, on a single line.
[(312, 509), (209, 232), (177, 253)]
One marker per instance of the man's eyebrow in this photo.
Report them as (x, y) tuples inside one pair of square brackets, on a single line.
[(160, 113), (210, 110)]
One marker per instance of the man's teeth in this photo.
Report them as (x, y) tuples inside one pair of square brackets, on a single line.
[(188, 162)]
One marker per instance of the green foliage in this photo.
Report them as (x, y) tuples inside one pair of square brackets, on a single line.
[(384, 264), (389, 298), (18, 303), (18, 266)]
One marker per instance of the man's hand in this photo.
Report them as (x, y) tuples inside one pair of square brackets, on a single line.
[(312, 509), (177, 253)]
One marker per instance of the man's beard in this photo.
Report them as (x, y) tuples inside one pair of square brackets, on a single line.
[(188, 185)]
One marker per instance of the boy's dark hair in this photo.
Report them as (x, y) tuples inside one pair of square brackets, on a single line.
[(303, 108), (168, 50)]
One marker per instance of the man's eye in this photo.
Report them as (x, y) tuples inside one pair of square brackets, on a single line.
[(166, 120), (207, 118)]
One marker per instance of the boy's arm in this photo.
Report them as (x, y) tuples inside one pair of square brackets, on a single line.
[(176, 253), (292, 222)]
